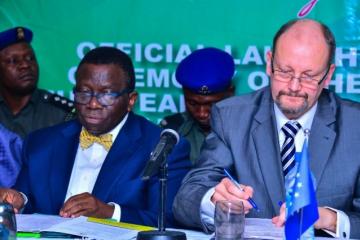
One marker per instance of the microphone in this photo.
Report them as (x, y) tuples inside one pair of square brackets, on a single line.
[(168, 139)]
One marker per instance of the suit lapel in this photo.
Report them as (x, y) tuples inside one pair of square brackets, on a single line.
[(267, 149), (62, 158), (322, 137), (117, 161)]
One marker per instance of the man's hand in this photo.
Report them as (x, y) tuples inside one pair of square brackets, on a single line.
[(327, 219), (12, 197), (87, 205), (226, 190), (279, 221)]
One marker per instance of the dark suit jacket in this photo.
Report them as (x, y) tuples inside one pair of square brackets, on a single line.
[(10, 157), (49, 156), (245, 141)]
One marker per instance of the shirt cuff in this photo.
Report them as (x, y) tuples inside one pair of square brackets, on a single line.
[(25, 198), (25, 202), (342, 225), (207, 208), (117, 211)]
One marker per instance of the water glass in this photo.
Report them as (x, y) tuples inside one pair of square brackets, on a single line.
[(229, 220), (7, 222)]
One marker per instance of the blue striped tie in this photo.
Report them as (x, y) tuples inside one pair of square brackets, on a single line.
[(290, 129)]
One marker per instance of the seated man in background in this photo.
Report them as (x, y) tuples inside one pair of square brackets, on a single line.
[(23, 107), (257, 136), (205, 76), (10, 157), (93, 166)]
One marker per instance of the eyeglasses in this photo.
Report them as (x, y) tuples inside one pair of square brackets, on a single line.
[(309, 81), (105, 99)]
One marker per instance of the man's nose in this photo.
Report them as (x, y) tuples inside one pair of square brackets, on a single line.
[(94, 102), (295, 84), (24, 64), (204, 111)]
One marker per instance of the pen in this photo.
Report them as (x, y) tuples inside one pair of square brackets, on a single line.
[(251, 201)]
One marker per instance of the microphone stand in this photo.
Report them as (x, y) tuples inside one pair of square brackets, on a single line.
[(161, 233)]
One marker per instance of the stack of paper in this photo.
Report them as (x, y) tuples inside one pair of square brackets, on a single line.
[(106, 229)]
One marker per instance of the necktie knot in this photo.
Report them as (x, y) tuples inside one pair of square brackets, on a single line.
[(291, 128), (87, 139)]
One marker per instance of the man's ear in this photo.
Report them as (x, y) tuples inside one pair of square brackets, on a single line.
[(231, 90), (268, 63), (329, 75), (132, 100)]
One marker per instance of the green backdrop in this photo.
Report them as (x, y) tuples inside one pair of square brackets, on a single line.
[(158, 34)]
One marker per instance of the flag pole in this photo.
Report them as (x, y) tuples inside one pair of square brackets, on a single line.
[(301, 221), (306, 134)]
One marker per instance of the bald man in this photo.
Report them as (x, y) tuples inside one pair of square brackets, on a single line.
[(250, 132)]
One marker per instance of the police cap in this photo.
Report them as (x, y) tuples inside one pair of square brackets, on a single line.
[(206, 71), (15, 35)]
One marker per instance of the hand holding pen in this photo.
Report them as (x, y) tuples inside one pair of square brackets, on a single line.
[(250, 200)]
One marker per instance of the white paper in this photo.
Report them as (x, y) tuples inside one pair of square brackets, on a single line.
[(37, 222), (262, 229), (255, 228), (75, 226), (81, 227)]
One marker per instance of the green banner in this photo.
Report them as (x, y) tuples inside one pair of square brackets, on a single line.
[(159, 34)]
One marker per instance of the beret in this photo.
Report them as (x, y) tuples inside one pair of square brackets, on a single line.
[(15, 35), (206, 71)]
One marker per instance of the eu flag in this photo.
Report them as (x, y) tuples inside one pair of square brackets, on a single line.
[(302, 211)]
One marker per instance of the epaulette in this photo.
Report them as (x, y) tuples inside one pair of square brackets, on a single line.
[(173, 121), (58, 101)]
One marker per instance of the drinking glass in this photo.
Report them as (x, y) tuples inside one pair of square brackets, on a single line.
[(229, 220), (7, 222)]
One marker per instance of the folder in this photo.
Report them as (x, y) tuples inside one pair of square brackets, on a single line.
[(120, 224)]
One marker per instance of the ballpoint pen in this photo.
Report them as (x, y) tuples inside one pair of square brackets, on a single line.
[(250, 200)]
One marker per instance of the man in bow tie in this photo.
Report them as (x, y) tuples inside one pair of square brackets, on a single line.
[(92, 166)]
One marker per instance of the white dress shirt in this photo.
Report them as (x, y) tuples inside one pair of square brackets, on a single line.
[(207, 208), (87, 165)]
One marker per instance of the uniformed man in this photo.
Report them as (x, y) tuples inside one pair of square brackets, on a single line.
[(24, 107), (205, 76)]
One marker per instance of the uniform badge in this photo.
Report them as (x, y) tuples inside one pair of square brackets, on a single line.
[(204, 90), (20, 33)]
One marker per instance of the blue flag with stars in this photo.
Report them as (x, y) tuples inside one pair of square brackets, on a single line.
[(302, 209)]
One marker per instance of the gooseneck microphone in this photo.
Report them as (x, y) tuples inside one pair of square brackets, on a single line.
[(168, 139)]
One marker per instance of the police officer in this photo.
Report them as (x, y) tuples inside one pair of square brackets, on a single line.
[(205, 76), (24, 107)]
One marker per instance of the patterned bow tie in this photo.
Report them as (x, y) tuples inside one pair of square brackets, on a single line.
[(87, 139)]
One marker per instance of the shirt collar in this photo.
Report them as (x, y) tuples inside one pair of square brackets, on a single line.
[(305, 120), (35, 96)]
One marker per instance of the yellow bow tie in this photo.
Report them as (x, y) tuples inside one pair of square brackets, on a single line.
[(87, 139)]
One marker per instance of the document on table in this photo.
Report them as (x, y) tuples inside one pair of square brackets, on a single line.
[(37, 222), (255, 228), (262, 229), (75, 226), (82, 226)]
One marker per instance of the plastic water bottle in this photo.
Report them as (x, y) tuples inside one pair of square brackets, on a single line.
[(7, 222)]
